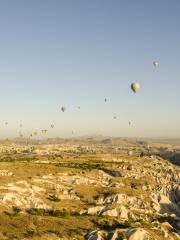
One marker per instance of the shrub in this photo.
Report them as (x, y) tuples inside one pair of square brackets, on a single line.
[(53, 198)]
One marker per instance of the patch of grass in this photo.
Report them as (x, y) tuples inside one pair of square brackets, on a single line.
[(14, 158), (61, 213), (50, 212), (83, 166), (36, 211), (16, 210), (107, 223), (129, 223)]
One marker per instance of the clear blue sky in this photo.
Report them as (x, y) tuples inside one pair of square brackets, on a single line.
[(76, 53)]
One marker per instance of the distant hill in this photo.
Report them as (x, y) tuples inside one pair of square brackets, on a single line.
[(96, 139), (163, 140)]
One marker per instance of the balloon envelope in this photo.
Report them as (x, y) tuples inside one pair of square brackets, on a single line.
[(135, 87), (156, 63), (63, 109)]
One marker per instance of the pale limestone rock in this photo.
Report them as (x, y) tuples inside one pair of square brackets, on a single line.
[(111, 213), (96, 210)]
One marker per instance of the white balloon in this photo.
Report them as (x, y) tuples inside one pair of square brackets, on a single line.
[(156, 63), (135, 87)]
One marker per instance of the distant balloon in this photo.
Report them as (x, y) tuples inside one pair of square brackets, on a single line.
[(156, 63), (44, 131), (6, 123), (135, 87), (52, 125), (114, 117), (105, 99), (129, 123), (20, 134), (79, 107), (63, 109)]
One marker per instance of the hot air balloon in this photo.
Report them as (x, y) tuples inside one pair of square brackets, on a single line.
[(44, 131), (79, 107), (6, 123), (20, 134), (52, 125), (129, 123), (105, 99), (114, 117), (156, 63), (63, 109), (135, 87)]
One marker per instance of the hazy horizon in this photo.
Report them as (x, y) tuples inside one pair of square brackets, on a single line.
[(77, 53), (93, 136)]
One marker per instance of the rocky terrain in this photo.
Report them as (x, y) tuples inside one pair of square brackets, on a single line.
[(103, 192)]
